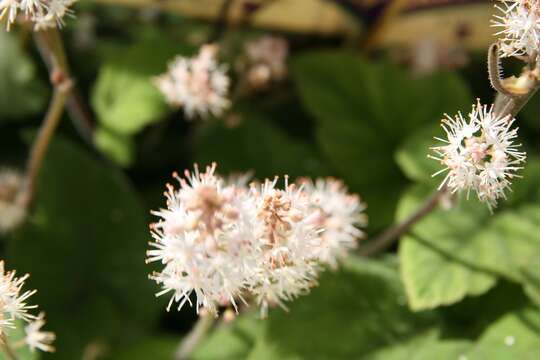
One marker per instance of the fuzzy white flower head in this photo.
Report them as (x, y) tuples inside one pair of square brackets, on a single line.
[(43, 13), (519, 26), (339, 213), (199, 84), (223, 241), (12, 302), (267, 57), (288, 266), (36, 338), (12, 212), (13, 306), (189, 241), (479, 154)]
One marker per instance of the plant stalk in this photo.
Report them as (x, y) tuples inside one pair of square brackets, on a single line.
[(392, 234), (195, 336)]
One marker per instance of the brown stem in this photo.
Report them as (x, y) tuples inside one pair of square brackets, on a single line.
[(51, 49), (195, 336), (392, 234), (41, 144), (6, 348)]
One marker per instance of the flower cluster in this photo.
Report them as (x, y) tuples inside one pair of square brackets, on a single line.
[(12, 213), (520, 27), (267, 59), (200, 85), (479, 153), (339, 213), (43, 13), (13, 307), (227, 242)]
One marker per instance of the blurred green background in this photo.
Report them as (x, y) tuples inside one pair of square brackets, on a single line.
[(363, 99)]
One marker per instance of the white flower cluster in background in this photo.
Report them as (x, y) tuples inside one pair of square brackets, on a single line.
[(12, 213), (228, 243), (14, 309), (43, 13), (267, 58), (479, 154), (519, 26), (199, 84)]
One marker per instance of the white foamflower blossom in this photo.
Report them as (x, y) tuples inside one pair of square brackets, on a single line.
[(43, 13), (12, 212), (339, 213), (227, 243), (199, 85), (519, 26), (267, 59), (35, 338), (14, 306), (479, 154)]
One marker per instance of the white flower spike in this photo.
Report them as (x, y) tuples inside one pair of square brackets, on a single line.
[(37, 339), (13, 306), (43, 13), (225, 242), (519, 26), (199, 85), (479, 154), (339, 213)]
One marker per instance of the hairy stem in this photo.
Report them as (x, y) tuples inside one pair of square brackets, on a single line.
[(392, 234), (7, 349), (195, 336)]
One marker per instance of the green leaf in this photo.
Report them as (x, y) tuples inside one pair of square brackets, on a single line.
[(459, 252), (21, 94), (531, 276), (412, 155), (231, 341), (364, 111), (515, 336), (158, 348), (258, 145), (430, 255), (354, 312), (470, 317), (124, 98), (118, 147), (84, 247), (424, 347)]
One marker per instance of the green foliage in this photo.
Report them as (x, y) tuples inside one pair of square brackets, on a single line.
[(84, 246), (20, 93), (124, 97), (430, 255), (460, 252), (256, 145), (117, 146), (152, 348), (361, 309), (364, 111), (412, 155), (233, 341), (365, 311), (516, 336)]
